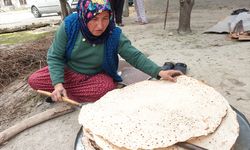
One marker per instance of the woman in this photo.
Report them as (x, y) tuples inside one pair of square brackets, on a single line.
[(86, 69), (117, 7), (140, 11)]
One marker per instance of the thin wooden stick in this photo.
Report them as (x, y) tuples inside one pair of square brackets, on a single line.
[(165, 21), (63, 98), (34, 120)]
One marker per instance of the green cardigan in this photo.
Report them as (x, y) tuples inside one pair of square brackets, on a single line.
[(87, 58)]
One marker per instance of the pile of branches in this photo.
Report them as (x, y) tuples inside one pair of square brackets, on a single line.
[(22, 60)]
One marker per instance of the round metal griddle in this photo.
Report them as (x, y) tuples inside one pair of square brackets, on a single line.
[(242, 142)]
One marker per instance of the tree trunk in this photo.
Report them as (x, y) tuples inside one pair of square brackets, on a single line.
[(64, 11), (125, 9), (185, 14), (34, 120)]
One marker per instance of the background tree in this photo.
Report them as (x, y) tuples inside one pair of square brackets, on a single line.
[(65, 8), (185, 16)]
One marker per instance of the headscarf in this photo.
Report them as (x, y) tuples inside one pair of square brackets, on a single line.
[(87, 10)]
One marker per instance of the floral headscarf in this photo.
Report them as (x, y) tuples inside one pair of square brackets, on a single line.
[(87, 10)]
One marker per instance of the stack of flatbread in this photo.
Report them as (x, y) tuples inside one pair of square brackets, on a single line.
[(158, 115)]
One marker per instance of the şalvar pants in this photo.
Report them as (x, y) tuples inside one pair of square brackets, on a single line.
[(79, 87), (117, 7), (140, 11)]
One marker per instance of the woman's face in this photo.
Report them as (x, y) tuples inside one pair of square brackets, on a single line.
[(99, 23)]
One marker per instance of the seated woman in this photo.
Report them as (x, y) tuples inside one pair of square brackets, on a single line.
[(83, 58)]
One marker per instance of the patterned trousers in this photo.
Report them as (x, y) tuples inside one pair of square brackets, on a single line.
[(79, 87), (140, 11)]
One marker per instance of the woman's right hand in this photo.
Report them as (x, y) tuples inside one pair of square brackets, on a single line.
[(58, 92)]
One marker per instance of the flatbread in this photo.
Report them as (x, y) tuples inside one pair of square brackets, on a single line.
[(99, 141), (224, 137), (155, 114)]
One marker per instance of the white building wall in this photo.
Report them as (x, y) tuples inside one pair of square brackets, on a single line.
[(15, 5)]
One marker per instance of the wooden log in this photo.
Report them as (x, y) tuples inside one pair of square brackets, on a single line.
[(244, 37), (34, 120), (30, 26)]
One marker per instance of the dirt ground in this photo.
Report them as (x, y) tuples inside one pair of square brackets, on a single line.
[(213, 58)]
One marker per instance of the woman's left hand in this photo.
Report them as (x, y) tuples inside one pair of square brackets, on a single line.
[(170, 75)]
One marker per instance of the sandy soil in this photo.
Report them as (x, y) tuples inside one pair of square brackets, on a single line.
[(212, 58)]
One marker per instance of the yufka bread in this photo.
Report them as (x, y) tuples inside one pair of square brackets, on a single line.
[(223, 138), (225, 135), (157, 115)]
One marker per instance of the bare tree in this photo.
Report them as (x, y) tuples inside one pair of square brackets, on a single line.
[(65, 9), (185, 16)]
